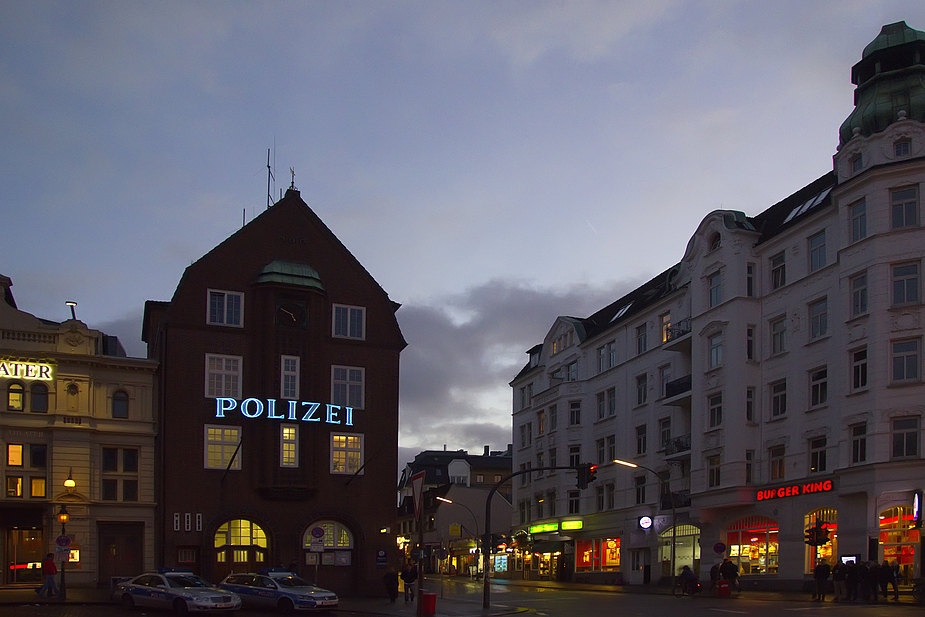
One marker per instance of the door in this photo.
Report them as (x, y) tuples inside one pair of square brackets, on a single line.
[(121, 550)]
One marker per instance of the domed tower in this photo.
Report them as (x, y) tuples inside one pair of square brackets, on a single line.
[(890, 79)]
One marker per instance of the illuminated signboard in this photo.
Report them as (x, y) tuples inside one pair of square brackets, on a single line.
[(25, 370), (645, 522), (917, 510), (544, 527), (566, 525), (822, 486), (293, 411)]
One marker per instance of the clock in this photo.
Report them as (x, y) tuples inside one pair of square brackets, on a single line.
[(290, 314)]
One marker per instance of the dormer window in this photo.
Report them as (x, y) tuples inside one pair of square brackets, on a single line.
[(715, 241), (856, 163), (902, 147)]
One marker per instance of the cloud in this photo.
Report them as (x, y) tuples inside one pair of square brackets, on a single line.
[(465, 348)]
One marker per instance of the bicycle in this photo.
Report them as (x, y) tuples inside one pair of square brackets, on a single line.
[(687, 589), (918, 591)]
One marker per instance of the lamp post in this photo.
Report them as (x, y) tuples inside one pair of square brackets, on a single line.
[(445, 500), (63, 518), (674, 526)]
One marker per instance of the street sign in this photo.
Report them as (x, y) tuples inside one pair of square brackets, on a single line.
[(417, 487), (318, 532), (63, 541), (719, 548), (317, 546)]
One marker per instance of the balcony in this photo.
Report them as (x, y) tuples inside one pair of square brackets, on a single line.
[(678, 392), (682, 499), (678, 445), (679, 337)]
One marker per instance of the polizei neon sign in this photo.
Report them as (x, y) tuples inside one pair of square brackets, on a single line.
[(293, 411)]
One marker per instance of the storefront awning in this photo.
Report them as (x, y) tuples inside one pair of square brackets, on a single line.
[(547, 547)]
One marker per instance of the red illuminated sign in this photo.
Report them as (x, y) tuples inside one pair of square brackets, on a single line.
[(823, 486)]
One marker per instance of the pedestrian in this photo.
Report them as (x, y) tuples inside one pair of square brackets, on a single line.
[(874, 581), (821, 579), (688, 580), (852, 579), (714, 576), (730, 572), (391, 584), (49, 570), (897, 576), (839, 576), (409, 574)]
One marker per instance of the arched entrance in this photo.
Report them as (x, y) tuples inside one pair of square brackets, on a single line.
[(240, 546), (827, 518), (328, 548), (898, 540), (686, 552)]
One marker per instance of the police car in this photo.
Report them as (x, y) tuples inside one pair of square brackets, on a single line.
[(278, 588), (180, 590)]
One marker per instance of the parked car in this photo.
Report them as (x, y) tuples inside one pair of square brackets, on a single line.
[(281, 589), (180, 590)]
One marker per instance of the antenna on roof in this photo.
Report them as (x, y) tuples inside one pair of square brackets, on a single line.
[(292, 171), (269, 177)]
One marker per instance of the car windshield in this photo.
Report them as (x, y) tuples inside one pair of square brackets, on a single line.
[(292, 581), (187, 580)]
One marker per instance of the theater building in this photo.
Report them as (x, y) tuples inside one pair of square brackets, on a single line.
[(78, 435), (278, 402), (768, 384)]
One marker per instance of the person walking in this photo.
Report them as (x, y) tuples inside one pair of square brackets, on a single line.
[(852, 580), (49, 570), (730, 572), (874, 581), (409, 574), (821, 579), (391, 584)]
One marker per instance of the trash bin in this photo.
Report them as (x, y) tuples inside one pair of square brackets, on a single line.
[(722, 587), (428, 603)]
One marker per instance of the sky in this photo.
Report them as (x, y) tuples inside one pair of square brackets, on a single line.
[(492, 164)]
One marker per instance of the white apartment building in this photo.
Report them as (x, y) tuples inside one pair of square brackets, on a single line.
[(768, 383)]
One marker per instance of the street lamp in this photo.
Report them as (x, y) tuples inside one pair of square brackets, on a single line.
[(63, 518), (674, 526), (445, 500)]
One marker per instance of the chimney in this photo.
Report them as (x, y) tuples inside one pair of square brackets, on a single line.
[(486, 451)]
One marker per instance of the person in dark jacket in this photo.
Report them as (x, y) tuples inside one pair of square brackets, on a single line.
[(839, 579), (730, 572), (409, 574), (821, 579), (852, 580), (874, 581), (391, 584)]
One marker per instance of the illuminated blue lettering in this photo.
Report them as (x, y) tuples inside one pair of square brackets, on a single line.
[(293, 406), (271, 410), (349, 420), (224, 404), (310, 414), (257, 403), (332, 414)]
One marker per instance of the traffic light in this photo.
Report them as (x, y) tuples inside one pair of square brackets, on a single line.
[(585, 474), (811, 536), (817, 535)]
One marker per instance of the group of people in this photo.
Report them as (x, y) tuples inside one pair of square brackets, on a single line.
[(727, 570), (408, 576), (856, 582)]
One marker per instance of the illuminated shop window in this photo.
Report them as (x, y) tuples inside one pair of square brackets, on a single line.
[(336, 535), (349, 321), (221, 444), (753, 545), (346, 453), (687, 547), (223, 376), (899, 540), (598, 555), (828, 520), (14, 453)]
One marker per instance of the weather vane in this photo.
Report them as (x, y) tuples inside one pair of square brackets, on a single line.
[(292, 171)]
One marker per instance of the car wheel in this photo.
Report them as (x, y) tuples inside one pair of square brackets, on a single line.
[(286, 605), (127, 602), (180, 606)]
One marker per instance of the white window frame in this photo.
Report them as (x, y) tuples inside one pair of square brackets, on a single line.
[(715, 289), (816, 248), (228, 446), (226, 373), (715, 344), (906, 200), (909, 281), (859, 294), (347, 450), (291, 374), (714, 467), (908, 352), (778, 270), (819, 387), (222, 320), (344, 326), (817, 455), (715, 406), (350, 397), (778, 395), (858, 221), (289, 445), (818, 318), (778, 329), (859, 369)]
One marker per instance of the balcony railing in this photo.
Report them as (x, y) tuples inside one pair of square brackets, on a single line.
[(678, 386), (676, 331), (676, 445), (682, 499)]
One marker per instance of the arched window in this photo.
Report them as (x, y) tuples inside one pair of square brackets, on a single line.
[(240, 545), (14, 395), (39, 393), (827, 518), (687, 548), (752, 544), (336, 535), (898, 539), (119, 404), (716, 241)]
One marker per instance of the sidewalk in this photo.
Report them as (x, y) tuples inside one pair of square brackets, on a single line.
[(446, 607)]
